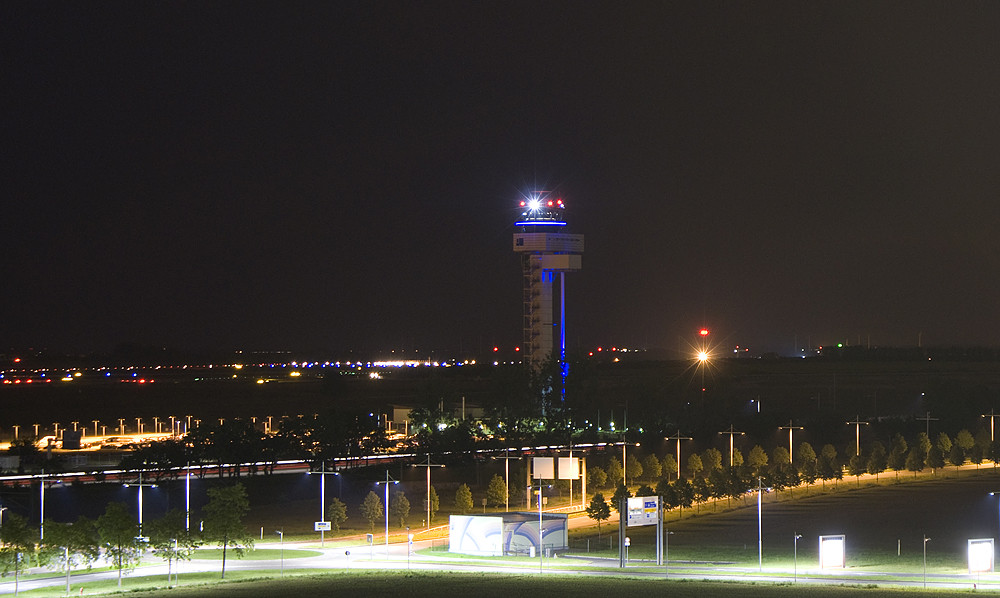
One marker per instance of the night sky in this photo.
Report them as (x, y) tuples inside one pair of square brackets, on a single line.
[(344, 175)]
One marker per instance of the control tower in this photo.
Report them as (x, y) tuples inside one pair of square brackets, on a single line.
[(547, 254)]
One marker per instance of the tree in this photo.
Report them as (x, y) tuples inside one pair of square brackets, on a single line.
[(780, 456), (737, 458), (757, 460), (807, 463), (496, 491), (924, 443), (614, 470), (897, 454), (70, 545), (118, 530), (336, 513), (224, 521), (712, 460), (170, 539), (943, 443), (964, 440), (633, 469), (877, 459), (935, 460), (915, 460), (651, 467), (435, 504), (597, 477), (371, 509), (621, 493), (18, 545), (702, 490), (399, 507), (695, 465), (827, 465), (956, 456), (599, 511), (463, 499), (669, 468), (856, 466)]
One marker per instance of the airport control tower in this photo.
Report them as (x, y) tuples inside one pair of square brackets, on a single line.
[(547, 254)]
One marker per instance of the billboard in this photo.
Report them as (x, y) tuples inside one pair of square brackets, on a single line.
[(569, 468), (643, 510), (832, 552), (543, 468)]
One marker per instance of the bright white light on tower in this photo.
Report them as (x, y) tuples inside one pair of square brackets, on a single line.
[(702, 356)]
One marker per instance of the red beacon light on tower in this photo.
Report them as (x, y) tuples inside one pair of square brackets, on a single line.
[(703, 332)]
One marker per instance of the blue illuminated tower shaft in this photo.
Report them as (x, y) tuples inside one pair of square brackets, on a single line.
[(544, 255)]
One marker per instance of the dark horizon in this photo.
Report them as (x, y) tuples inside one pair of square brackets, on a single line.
[(347, 175)]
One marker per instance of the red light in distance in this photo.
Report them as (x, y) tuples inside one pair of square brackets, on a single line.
[(703, 332)]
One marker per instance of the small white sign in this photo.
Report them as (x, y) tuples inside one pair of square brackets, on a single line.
[(322, 526)]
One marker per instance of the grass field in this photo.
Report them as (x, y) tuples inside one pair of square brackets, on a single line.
[(884, 525), (480, 585)]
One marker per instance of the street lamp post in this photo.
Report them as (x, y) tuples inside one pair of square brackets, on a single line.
[(677, 436), (428, 465), (387, 481), (322, 498), (281, 539), (732, 432), (795, 556), (140, 485), (790, 427), (926, 540), (506, 478), (760, 537), (993, 417), (857, 433)]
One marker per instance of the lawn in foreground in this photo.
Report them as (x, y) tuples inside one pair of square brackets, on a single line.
[(420, 584)]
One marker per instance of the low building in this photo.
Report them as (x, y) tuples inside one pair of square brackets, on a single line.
[(504, 534)]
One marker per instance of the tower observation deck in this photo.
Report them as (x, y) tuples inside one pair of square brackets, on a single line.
[(547, 254)]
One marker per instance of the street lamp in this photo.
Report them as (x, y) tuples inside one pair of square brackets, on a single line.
[(140, 485), (677, 436), (795, 556), (322, 499), (387, 482), (926, 540), (281, 539), (428, 465), (732, 432), (790, 427), (41, 506), (2, 509), (857, 434)]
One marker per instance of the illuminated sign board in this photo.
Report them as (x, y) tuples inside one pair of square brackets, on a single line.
[(981, 555), (543, 468), (643, 510), (832, 552)]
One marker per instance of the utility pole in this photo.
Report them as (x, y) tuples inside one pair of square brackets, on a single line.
[(677, 436), (992, 417), (732, 432), (857, 433), (790, 427), (927, 418), (428, 465)]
